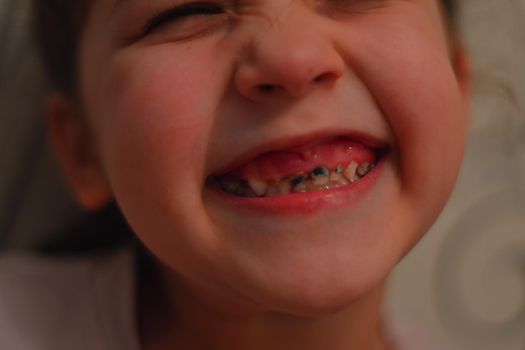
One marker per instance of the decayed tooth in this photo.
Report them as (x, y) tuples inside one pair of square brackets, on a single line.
[(363, 169), (350, 171), (285, 187), (338, 169), (320, 176), (299, 183), (320, 171), (259, 187)]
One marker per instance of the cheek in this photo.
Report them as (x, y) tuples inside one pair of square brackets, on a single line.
[(426, 114), (153, 119), (411, 79)]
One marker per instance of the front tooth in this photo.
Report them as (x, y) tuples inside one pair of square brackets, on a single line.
[(259, 187), (350, 171), (363, 169)]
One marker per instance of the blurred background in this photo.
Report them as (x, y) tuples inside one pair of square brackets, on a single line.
[(464, 284)]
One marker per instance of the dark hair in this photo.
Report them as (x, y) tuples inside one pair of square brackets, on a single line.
[(450, 10), (58, 25)]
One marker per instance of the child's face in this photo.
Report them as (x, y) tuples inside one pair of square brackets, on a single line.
[(283, 86)]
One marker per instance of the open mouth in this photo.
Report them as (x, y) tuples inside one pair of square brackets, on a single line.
[(321, 166)]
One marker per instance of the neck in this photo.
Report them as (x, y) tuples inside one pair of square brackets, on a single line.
[(184, 317)]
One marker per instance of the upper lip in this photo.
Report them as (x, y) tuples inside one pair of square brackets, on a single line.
[(300, 140)]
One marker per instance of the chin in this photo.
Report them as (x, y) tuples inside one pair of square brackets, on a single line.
[(325, 301), (320, 294)]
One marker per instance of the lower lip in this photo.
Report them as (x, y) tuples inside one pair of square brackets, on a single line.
[(307, 203)]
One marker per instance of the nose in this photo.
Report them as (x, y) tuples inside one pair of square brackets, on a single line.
[(287, 61)]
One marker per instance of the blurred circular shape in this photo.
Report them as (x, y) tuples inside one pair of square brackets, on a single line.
[(480, 273), (495, 293)]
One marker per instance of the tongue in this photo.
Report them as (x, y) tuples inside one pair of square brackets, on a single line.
[(276, 165)]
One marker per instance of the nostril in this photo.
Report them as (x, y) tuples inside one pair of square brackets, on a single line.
[(266, 88), (324, 77)]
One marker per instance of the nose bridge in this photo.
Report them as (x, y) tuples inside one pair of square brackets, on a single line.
[(287, 36), (288, 53)]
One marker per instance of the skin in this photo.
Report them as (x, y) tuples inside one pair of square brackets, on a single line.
[(160, 113)]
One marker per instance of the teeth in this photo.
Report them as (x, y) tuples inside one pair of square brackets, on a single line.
[(299, 183), (320, 178), (285, 187), (320, 172), (298, 180), (259, 187), (272, 191), (338, 179), (350, 171), (321, 181), (363, 169)]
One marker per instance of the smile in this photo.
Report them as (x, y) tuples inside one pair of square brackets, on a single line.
[(319, 179), (321, 166)]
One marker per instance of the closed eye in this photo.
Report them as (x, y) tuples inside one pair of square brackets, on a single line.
[(180, 13)]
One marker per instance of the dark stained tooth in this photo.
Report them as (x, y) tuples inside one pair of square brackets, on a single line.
[(299, 184), (320, 177), (296, 181), (320, 171)]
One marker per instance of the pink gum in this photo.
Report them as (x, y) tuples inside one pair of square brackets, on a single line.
[(276, 165)]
